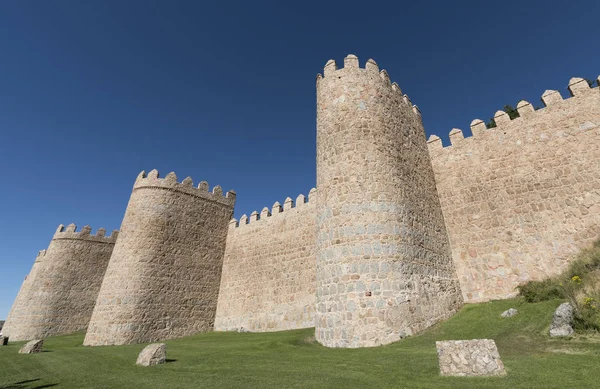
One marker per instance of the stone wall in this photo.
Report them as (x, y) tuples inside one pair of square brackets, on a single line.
[(268, 280), (23, 299), (384, 266), (521, 198), (60, 292), (163, 278)]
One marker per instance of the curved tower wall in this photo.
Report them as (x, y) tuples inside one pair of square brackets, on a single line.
[(384, 266), (60, 292), (163, 278), (23, 298)]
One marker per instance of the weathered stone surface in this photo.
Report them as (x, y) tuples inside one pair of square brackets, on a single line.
[(58, 295), (153, 354), (162, 281), (477, 357), (268, 280), (561, 321), (384, 266), (509, 313), (33, 346), (3, 340), (520, 199)]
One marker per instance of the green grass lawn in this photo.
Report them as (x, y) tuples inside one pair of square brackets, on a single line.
[(291, 360)]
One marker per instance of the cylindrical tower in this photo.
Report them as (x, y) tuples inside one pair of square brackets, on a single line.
[(22, 301), (59, 293), (163, 278), (384, 266)]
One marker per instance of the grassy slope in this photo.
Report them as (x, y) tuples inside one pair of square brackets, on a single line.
[(286, 360)]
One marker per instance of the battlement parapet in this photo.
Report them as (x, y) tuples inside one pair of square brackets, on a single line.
[(277, 209), (70, 232), (170, 183), (41, 254), (579, 90), (351, 64)]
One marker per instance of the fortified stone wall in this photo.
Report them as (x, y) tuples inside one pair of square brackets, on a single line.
[(60, 292), (521, 198), (163, 278), (268, 280), (384, 266)]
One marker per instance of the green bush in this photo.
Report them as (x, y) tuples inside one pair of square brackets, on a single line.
[(536, 291)]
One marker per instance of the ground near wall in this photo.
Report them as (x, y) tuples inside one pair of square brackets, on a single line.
[(290, 360)]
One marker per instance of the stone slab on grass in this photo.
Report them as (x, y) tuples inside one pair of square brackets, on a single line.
[(477, 357), (153, 354), (34, 346)]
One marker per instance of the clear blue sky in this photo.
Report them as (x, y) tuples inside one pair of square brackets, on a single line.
[(91, 93)]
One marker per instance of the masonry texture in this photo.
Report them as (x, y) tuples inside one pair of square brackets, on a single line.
[(521, 198), (397, 234), (163, 277), (463, 358), (59, 294), (384, 267), (268, 281)]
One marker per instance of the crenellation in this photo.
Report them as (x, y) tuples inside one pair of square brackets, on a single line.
[(456, 135), (351, 61), (578, 86), (385, 76), (70, 232), (524, 108), (478, 127), (288, 204), (277, 208), (312, 195), (265, 213), (330, 68), (527, 114), (501, 117), (371, 66), (551, 97), (203, 186), (153, 181)]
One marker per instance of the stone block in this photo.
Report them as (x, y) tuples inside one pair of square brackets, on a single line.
[(34, 346), (153, 354), (477, 357)]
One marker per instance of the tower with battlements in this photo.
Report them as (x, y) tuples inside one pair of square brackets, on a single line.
[(384, 265), (59, 294), (163, 277)]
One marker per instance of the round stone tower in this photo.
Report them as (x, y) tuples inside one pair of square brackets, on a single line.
[(384, 266), (59, 294), (163, 278)]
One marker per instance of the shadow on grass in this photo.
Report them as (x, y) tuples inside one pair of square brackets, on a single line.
[(170, 360), (25, 385)]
